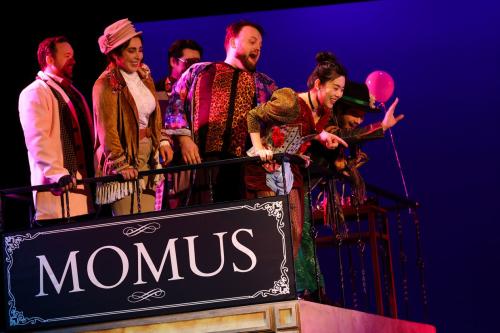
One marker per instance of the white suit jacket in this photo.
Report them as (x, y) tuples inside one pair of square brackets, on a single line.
[(39, 116)]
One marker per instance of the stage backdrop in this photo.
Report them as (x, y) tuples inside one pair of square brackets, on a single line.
[(443, 56), (149, 264)]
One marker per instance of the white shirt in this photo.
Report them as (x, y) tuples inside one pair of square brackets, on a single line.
[(144, 99)]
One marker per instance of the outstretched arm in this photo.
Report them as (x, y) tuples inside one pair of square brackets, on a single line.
[(329, 140)]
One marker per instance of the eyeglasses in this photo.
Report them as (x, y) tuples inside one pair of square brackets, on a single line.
[(189, 61)]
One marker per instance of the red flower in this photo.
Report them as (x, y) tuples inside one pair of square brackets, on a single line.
[(278, 137)]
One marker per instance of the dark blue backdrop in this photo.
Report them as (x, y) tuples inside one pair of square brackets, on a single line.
[(444, 60)]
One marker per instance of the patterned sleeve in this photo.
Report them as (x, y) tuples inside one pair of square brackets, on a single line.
[(264, 87), (179, 108), (358, 135)]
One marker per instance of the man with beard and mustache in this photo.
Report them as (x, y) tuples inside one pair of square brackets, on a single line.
[(58, 133), (210, 103)]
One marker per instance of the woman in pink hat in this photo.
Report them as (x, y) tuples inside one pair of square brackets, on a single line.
[(127, 123)]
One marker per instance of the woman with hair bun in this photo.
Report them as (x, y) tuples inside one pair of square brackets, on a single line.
[(310, 111)]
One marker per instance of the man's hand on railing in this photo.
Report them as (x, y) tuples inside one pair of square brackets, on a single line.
[(189, 150), (65, 183), (131, 173)]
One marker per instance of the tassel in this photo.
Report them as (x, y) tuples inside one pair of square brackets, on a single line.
[(113, 191)]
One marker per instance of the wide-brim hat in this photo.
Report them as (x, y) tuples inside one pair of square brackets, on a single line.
[(116, 34), (357, 95)]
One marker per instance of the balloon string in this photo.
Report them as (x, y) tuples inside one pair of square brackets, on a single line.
[(382, 105)]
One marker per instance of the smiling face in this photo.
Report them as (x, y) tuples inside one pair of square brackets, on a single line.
[(330, 92), (131, 56), (247, 47), (352, 117)]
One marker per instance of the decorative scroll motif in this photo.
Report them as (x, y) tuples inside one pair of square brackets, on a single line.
[(282, 286), (274, 209), (140, 296), (147, 229), (13, 242), (17, 317)]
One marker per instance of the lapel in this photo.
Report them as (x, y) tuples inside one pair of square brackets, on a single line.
[(119, 83), (131, 102), (88, 115), (125, 91), (51, 82)]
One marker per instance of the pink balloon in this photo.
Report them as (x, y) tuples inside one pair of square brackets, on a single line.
[(381, 85)]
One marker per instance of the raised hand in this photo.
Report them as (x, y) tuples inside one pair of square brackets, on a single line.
[(389, 119)]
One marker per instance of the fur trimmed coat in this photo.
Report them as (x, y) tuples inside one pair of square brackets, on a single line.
[(116, 121)]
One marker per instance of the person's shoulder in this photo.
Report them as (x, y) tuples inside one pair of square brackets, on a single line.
[(101, 82), (199, 67), (107, 80), (285, 94), (36, 87), (202, 64), (264, 78), (103, 76), (288, 92), (191, 74)]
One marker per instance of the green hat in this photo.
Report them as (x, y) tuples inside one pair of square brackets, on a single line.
[(357, 94)]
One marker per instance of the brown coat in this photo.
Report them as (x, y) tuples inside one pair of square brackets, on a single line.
[(117, 122)]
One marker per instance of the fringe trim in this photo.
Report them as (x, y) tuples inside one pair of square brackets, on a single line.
[(107, 193)]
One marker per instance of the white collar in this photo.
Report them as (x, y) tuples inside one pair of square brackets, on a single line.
[(54, 77), (130, 77)]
